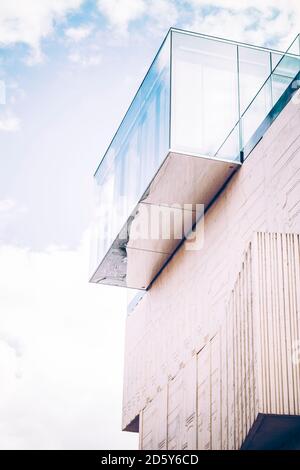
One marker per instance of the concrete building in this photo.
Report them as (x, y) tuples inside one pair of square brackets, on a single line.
[(199, 201)]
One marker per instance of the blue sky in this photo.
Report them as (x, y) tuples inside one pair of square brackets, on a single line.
[(69, 69)]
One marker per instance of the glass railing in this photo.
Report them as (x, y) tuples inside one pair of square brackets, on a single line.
[(134, 155), (194, 100), (268, 102)]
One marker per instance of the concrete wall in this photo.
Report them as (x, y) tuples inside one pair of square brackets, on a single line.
[(210, 344)]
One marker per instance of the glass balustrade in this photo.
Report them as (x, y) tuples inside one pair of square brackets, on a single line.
[(202, 97)]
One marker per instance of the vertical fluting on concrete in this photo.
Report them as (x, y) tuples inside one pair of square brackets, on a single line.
[(247, 367)]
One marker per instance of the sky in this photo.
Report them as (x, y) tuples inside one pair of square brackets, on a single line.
[(68, 71)]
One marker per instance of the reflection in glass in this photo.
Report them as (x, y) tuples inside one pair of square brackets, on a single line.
[(202, 96), (254, 69), (204, 93), (258, 116), (134, 155), (257, 111)]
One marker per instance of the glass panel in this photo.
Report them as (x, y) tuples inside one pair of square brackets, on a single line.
[(135, 153), (204, 93), (279, 85), (287, 66), (210, 78), (254, 69), (266, 105), (276, 57), (230, 149), (295, 46), (257, 111)]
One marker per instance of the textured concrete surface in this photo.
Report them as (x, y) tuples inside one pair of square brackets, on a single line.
[(211, 343)]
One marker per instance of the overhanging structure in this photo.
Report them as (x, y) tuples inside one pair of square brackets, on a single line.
[(200, 110)]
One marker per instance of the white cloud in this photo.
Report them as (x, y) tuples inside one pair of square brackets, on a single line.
[(85, 58), (9, 122), (257, 21), (12, 342), (163, 14), (120, 13), (2, 92), (30, 21), (61, 353), (7, 205), (160, 14), (10, 210), (254, 21), (244, 4), (79, 33)]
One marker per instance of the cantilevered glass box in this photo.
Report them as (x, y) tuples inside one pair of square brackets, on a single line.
[(196, 116)]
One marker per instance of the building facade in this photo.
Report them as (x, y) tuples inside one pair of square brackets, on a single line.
[(212, 357)]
